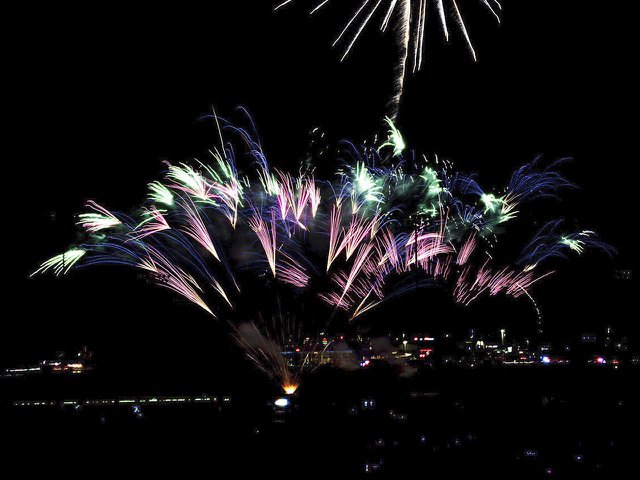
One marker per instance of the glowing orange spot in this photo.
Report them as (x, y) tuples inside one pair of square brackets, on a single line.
[(290, 389)]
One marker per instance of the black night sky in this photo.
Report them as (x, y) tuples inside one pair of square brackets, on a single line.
[(99, 95)]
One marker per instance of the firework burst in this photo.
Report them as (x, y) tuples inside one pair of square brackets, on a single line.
[(408, 19), (370, 225)]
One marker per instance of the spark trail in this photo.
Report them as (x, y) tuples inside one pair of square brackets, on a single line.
[(408, 20), (357, 234)]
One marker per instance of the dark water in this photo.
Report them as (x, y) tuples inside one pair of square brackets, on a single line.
[(499, 423)]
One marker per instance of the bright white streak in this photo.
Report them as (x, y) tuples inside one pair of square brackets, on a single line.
[(443, 19), (486, 2), (364, 4), (282, 5), (387, 18), (322, 4), (464, 30), (362, 27), (404, 41)]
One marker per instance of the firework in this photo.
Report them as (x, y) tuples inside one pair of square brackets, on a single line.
[(154, 222), (396, 141), (160, 194), (61, 264), (99, 219), (549, 243), (196, 229), (350, 241), (266, 233), (408, 19), (170, 276), (280, 349)]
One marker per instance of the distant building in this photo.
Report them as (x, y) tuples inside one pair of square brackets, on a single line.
[(78, 364), (623, 274)]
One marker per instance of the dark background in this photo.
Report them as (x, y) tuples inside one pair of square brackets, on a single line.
[(99, 94)]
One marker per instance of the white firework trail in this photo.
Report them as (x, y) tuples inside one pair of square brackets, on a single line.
[(409, 20)]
